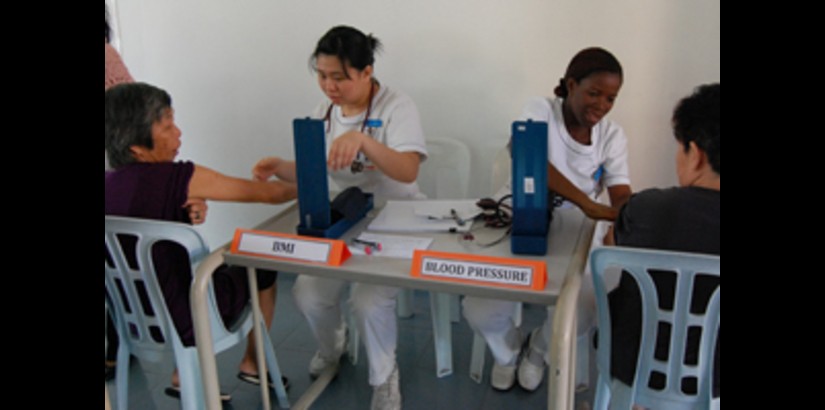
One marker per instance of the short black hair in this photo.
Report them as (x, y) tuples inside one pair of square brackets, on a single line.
[(587, 62), (350, 45), (696, 119), (131, 109)]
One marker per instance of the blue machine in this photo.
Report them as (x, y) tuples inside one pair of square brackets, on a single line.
[(313, 191), (531, 220)]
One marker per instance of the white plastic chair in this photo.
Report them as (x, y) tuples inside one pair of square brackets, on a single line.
[(146, 330), (687, 267), (445, 175)]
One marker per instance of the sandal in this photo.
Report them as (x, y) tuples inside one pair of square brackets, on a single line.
[(254, 379), (174, 391)]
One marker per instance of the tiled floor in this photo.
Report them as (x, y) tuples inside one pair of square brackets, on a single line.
[(295, 346)]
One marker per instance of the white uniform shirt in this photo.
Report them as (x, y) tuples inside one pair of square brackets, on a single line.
[(581, 164), (394, 121)]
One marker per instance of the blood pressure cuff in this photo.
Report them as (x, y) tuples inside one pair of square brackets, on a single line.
[(349, 204)]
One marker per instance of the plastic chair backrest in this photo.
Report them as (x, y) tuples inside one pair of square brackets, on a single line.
[(149, 326), (687, 268), (446, 173), (501, 170), (143, 321)]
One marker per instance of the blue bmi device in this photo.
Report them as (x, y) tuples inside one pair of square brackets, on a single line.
[(313, 192), (531, 221)]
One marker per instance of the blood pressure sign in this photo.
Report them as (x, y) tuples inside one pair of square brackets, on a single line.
[(482, 270)]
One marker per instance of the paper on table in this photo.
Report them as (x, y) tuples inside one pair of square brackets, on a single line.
[(464, 209), (392, 246), (424, 216)]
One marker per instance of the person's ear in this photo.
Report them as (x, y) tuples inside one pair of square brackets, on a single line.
[(571, 85), (367, 72), (138, 153), (697, 159)]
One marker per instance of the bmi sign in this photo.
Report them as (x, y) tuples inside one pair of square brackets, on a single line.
[(289, 247)]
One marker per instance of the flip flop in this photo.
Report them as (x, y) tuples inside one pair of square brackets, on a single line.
[(174, 391), (254, 379)]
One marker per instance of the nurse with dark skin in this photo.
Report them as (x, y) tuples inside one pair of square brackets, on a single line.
[(588, 102), (587, 154)]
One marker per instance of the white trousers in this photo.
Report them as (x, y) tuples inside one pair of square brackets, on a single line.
[(319, 300), (494, 319)]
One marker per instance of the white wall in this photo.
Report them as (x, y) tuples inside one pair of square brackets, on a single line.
[(238, 70)]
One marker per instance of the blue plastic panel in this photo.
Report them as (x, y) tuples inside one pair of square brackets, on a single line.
[(311, 172), (530, 217)]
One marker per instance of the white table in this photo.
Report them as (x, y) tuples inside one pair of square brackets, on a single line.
[(569, 242)]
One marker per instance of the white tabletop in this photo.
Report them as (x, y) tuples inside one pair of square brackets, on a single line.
[(565, 231)]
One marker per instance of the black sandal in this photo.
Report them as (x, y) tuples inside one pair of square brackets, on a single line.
[(174, 391), (254, 379)]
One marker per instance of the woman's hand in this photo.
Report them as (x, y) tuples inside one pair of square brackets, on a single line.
[(266, 168), (344, 149), (197, 210), (274, 167)]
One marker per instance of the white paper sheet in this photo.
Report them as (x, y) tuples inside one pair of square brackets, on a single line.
[(392, 246), (425, 216)]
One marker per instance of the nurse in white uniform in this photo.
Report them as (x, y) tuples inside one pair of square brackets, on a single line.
[(375, 142), (587, 153)]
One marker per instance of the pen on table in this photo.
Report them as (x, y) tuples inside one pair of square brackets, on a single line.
[(458, 220), (367, 244)]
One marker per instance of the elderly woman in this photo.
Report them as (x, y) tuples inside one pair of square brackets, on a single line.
[(142, 142)]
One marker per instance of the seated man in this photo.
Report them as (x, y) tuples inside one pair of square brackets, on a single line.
[(686, 218), (142, 142)]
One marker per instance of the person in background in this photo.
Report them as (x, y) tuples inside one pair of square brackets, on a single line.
[(375, 142), (686, 218), (116, 71), (142, 142), (587, 154)]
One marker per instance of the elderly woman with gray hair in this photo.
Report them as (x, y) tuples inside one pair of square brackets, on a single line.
[(142, 141)]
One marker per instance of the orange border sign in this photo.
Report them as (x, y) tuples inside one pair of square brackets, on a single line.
[(289, 247), (480, 270)]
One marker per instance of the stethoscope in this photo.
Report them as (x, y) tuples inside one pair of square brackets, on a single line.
[(357, 165)]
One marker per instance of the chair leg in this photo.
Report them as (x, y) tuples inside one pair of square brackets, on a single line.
[(518, 314), (583, 361), (455, 308), (442, 333), (122, 376), (477, 360), (404, 307), (192, 395), (353, 337), (602, 399), (275, 372)]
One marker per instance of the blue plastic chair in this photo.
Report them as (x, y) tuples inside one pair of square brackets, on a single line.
[(638, 262), (147, 331)]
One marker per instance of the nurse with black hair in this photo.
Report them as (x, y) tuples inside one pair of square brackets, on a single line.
[(375, 142), (587, 155)]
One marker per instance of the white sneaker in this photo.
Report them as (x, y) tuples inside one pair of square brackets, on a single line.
[(388, 395), (503, 378), (320, 363), (531, 368)]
